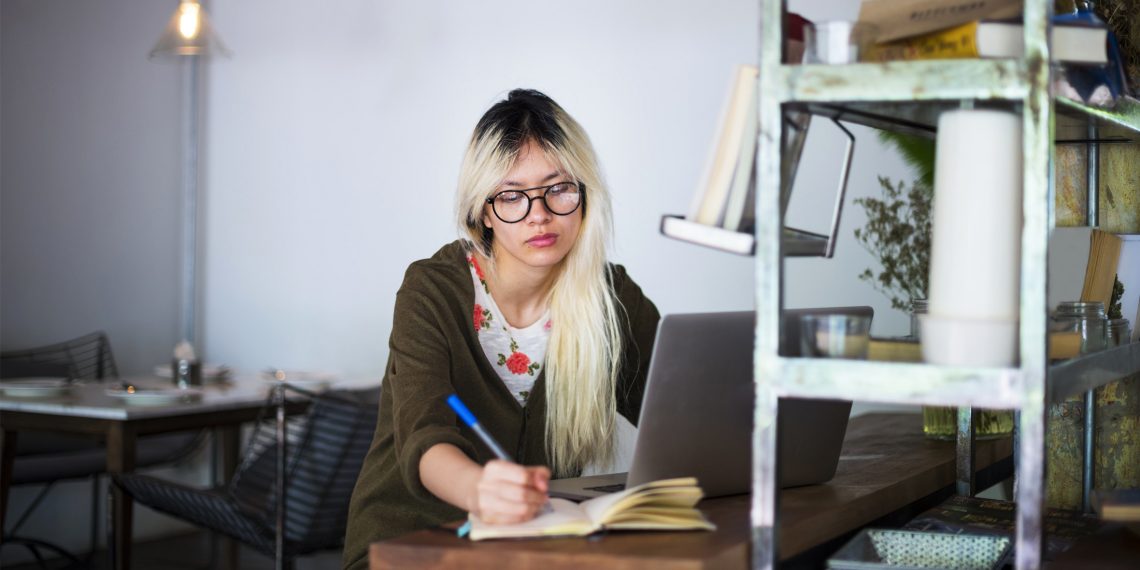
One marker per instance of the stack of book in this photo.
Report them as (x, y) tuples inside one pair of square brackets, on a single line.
[(961, 29), (722, 214), (721, 211)]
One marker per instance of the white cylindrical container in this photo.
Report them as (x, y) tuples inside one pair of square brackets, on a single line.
[(976, 246)]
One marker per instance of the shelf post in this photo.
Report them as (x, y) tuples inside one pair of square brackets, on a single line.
[(769, 271), (1037, 202), (966, 456), (1092, 218)]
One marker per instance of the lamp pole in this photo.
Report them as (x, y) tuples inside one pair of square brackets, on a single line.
[(190, 113)]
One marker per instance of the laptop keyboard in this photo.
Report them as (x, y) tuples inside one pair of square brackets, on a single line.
[(608, 488)]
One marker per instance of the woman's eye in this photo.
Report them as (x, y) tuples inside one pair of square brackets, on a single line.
[(510, 197)]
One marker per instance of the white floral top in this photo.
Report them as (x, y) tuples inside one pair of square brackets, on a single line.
[(516, 354)]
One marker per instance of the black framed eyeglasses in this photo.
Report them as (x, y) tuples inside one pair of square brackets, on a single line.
[(561, 198)]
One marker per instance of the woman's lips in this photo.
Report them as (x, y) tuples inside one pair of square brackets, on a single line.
[(543, 240)]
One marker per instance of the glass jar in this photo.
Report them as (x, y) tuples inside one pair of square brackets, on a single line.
[(917, 307), (1119, 333), (1086, 320), (939, 422)]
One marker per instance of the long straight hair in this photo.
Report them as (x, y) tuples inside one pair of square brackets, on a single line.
[(584, 351)]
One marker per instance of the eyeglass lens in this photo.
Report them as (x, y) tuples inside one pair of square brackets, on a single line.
[(561, 199)]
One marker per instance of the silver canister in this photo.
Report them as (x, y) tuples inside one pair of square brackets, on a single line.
[(187, 373), (1086, 319)]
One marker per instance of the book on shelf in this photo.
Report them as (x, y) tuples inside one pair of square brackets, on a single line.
[(905, 349), (669, 504), (887, 20), (1118, 505), (741, 243), (1062, 345), (975, 515), (1075, 44), (735, 133)]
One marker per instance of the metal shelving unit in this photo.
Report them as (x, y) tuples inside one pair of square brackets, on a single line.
[(907, 97)]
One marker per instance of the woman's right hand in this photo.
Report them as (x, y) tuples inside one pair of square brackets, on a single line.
[(508, 493)]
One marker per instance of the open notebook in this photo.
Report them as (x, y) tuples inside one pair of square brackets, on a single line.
[(660, 505)]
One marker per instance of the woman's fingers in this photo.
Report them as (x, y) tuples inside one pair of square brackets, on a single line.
[(510, 493), (540, 478)]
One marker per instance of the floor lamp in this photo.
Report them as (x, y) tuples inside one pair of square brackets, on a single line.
[(189, 38)]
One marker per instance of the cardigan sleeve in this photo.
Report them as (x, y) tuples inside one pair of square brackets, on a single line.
[(640, 332), (420, 379)]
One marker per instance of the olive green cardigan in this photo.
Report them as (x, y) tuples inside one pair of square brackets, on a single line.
[(434, 352)]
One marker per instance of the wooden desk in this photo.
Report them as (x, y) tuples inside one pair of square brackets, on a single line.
[(886, 465)]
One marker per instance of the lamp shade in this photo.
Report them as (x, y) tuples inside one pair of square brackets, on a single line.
[(189, 33)]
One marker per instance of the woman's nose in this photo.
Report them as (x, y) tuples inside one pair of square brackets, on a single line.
[(538, 211)]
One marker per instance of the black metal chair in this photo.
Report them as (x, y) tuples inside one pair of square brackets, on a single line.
[(86, 357), (47, 458), (324, 449)]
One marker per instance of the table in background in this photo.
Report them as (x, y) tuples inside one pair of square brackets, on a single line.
[(89, 410), (886, 466)]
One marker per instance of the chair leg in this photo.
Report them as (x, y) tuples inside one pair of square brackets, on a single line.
[(231, 553), (94, 517)]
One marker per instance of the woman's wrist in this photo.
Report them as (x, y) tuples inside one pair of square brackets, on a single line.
[(450, 475), (470, 484)]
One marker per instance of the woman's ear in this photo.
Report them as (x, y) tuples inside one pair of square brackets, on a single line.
[(486, 220)]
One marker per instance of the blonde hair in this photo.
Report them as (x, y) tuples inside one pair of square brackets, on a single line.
[(583, 356)]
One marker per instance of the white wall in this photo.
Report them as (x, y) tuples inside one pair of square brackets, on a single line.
[(332, 144), (88, 205), (336, 136), (88, 219)]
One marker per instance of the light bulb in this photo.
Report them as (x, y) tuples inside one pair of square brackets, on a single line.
[(189, 19)]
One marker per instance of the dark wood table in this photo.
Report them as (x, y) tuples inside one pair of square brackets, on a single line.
[(886, 466), (89, 410)]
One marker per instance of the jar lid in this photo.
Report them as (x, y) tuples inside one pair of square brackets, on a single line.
[(1081, 309)]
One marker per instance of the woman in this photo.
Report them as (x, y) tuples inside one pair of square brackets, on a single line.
[(525, 320)]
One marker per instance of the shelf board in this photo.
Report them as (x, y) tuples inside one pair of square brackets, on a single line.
[(1079, 375), (880, 96), (897, 383), (1119, 124), (977, 79), (796, 243)]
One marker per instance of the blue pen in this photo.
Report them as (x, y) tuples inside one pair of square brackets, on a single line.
[(469, 419)]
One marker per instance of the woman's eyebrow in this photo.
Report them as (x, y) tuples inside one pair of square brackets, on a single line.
[(548, 178)]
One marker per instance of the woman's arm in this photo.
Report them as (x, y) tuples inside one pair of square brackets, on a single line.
[(500, 492)]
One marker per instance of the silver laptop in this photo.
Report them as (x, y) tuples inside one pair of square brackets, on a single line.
[(696, 417)]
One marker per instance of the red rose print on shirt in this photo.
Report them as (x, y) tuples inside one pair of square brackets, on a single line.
[(482, 318), (518, 363), (478, 271)]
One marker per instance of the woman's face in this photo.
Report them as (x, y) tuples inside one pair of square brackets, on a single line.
[(541, 239)]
